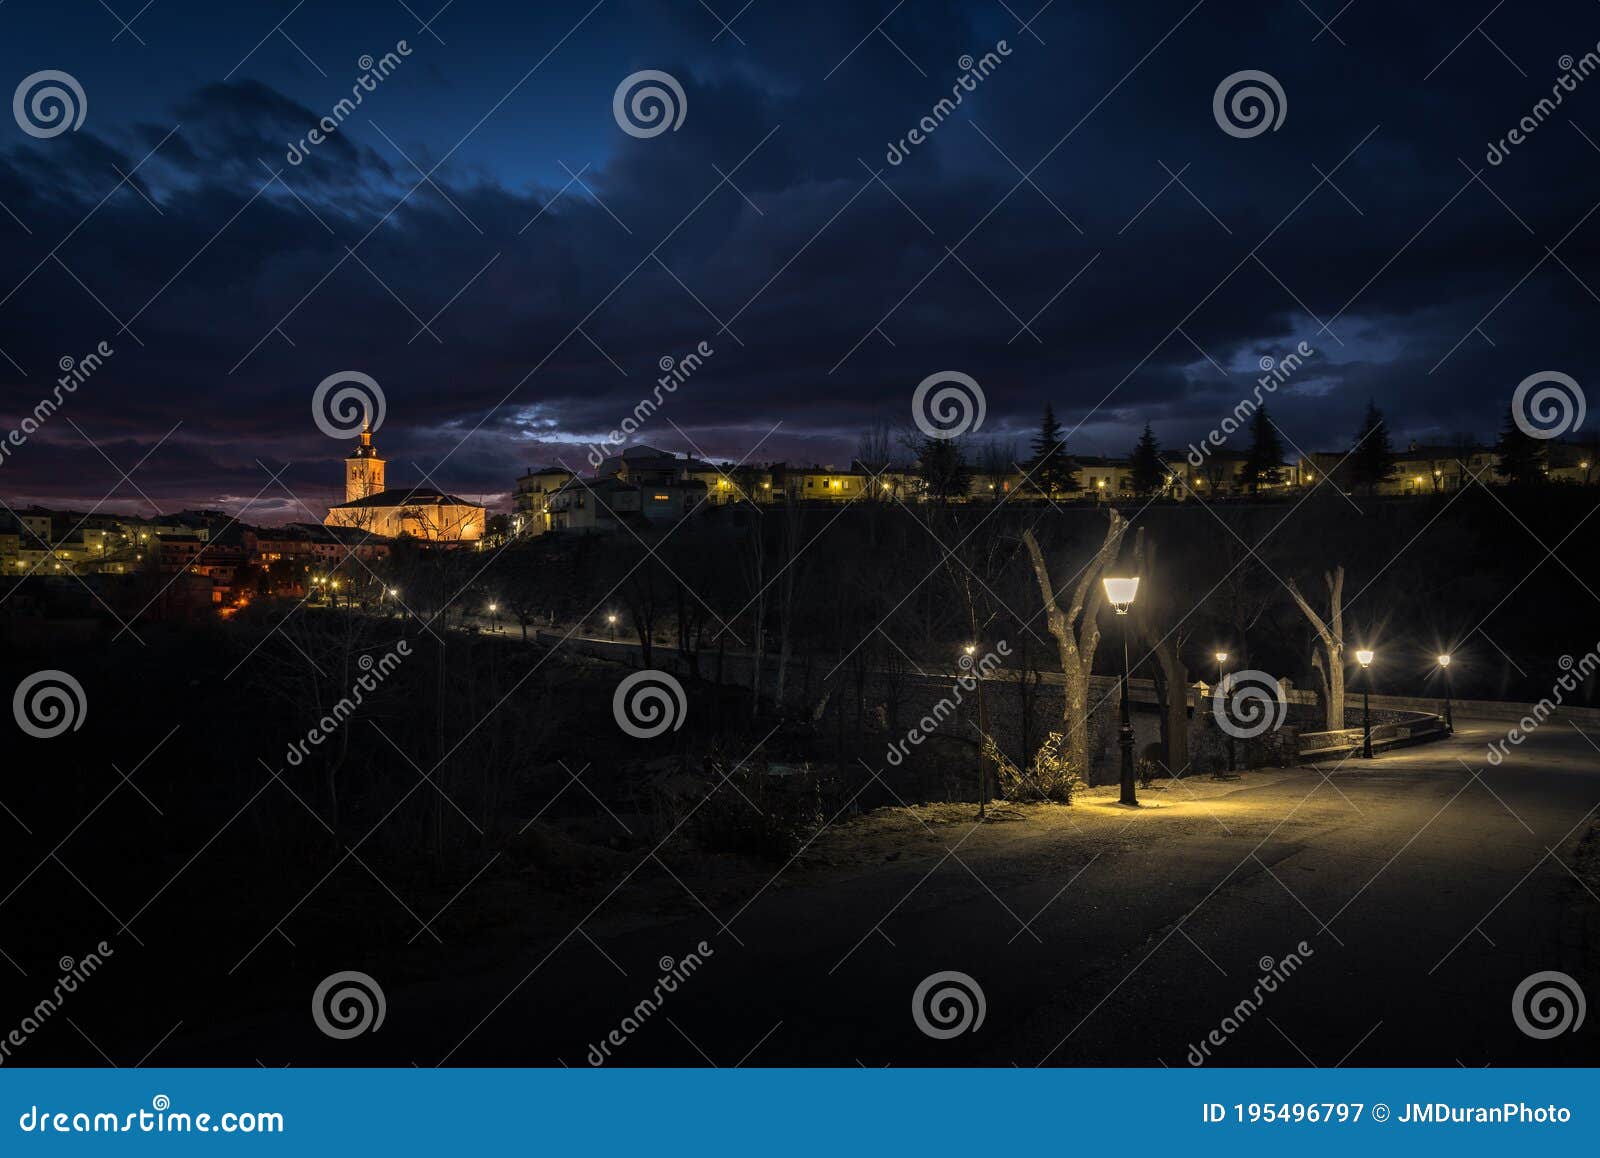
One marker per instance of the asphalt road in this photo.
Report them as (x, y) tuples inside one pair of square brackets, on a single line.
[(1425, 886)]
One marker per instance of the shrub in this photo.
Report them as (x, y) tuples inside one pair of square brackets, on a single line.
[(750, 812), (1051, 777)]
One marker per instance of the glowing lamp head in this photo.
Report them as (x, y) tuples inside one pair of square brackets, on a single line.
[(1444, 660), (493, 607), (1222, 657), (1364, 657), (1120, 592), (970, 649)]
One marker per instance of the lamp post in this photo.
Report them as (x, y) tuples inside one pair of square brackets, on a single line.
[(1120, 594), (1444, 667), (1222, 658), (966, 663), (1364, 658), (611, 622)]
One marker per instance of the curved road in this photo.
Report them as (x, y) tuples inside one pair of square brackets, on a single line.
[(1425, 885)]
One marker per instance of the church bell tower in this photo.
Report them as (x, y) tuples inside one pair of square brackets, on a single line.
[(363, 470)]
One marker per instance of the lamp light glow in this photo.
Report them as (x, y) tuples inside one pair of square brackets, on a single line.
[(1364, 657), (1120, 593), (1444, 660)]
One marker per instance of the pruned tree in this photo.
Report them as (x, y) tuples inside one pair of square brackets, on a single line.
[(1076, 630), (1329, 662)]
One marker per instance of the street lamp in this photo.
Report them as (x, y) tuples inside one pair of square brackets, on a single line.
[(1222, 658), (1120, 594), (1444, 666), (611, 622), (1364, 658)]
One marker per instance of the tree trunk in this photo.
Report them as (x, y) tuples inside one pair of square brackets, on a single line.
[(1077, 633), (1330, 634)]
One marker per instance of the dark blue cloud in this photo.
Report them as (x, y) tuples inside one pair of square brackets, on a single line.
[(517, 300)]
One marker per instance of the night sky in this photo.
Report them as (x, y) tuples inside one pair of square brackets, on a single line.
[(550, 300)]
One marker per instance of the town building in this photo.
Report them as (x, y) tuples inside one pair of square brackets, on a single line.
[(421, 512), (1443, 468)]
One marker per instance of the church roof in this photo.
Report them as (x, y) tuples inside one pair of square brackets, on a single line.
[(407, 497)]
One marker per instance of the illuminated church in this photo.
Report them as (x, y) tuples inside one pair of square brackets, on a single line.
[(422, 512)]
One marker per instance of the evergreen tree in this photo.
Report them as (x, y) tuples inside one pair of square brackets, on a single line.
[(1263, 465), (1372, 462), (1520, 458), (1149, 473), (943, 467), (1050, 470)]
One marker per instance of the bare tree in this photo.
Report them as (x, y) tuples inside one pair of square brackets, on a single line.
[(1077, 631), (753, 556), (1329, 662), (996, 464), (790, 533), (876, 445)]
